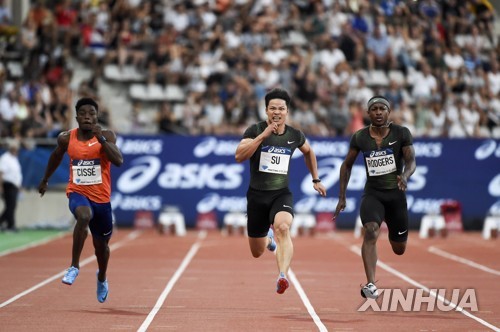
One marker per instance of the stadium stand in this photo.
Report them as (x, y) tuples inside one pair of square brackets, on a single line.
[(211, 63)]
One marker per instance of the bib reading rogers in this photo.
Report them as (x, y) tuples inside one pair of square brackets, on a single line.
[(274, 159), (380, 162), (87, 172)]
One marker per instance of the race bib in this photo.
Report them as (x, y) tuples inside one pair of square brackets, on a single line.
[(86, 172), (380, 162), (274, 159)]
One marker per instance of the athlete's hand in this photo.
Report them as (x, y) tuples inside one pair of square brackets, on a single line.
[(42, 187), (272, 128), (97, 131), (402, 182), (320, 188), (340, 207)]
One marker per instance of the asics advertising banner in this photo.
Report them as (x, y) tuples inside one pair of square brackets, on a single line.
[(200, 175)]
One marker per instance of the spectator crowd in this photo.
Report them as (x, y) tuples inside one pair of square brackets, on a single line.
[(436, 60)]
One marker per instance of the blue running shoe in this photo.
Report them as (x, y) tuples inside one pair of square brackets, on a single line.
[(70, 276), (282, 284), (102, 290), (272, 245)]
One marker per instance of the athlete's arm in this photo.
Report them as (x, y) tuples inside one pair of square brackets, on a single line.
[(54, 160), (108, 145), (409, 168), (345, 175), (312, 166), (248, 146)]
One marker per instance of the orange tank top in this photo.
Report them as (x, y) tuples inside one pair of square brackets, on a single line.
[(89, 169)]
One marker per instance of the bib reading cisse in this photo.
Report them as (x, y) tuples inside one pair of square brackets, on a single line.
[(87, 172)]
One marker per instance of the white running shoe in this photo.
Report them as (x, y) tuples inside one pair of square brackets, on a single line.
[(369, 291)]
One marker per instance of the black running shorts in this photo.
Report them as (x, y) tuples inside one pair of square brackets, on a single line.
[(262, 206), (386, 205)]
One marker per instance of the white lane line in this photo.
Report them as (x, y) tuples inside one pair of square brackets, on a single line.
[(357, 251), (33, 244), (462, 260), (87, 260), (170, 285), (306, 302)]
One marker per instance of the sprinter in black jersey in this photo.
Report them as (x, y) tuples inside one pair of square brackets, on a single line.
[(390, 161), (269, 145)]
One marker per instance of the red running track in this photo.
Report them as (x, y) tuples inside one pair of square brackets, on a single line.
[(212, 283)]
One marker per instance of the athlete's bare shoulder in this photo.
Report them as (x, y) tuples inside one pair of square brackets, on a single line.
[(63, 138), (66, 133)]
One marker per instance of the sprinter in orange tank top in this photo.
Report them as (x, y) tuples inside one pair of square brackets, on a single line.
[(91, 150)]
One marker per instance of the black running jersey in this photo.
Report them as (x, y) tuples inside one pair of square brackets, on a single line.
[(383, 164), (269, 165)]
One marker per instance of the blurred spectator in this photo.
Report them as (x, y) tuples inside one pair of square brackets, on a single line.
[(424, 84), (462, 120), (321, 51), (212, 120), (394, 93), (11, 179), (5, 16), (338, 116), (359, 91), (453, 59), (350, 44), (493, 79), (405, 114), (484, 13), (360, 22), (429, 8), (436, 122), (336, 20), (66, 19), (9, 110), (379, 53), (357, 117), (167, 124), (329, 55)]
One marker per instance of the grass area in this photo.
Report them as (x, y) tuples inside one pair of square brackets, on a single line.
[(11, 241)]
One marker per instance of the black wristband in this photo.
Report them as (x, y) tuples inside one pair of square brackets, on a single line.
[(102, 139), (316, 180)]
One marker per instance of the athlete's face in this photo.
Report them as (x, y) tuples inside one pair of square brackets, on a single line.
[(277, 111), (379, 114), (86, 116)]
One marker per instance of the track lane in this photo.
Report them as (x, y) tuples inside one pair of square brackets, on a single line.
[(223, 287), (339, 309), (137, 273)]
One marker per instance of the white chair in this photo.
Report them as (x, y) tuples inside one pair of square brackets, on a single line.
[(302, 223), (174, 93), (397, 76), (172, 220), (431, 223), (491, 226), (235, 220), (377, 78)]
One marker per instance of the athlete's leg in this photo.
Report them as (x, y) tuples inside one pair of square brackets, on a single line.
[(284, 252), (102, 252), (257, 222), (83, 215), (369, 249), (258, 245), (398, 247), (397, 222)]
